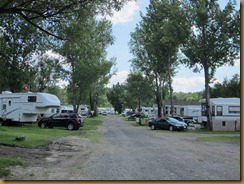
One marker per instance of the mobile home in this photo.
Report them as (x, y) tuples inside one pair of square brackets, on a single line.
[(187, 109), (225, 113), (26, 107)]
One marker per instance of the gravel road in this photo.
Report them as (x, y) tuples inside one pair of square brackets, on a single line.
[(138, 153), (128, 152)]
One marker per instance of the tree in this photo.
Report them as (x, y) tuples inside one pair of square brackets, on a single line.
[(46, 16), (155, 44), (85, 53), (115, 96), (138, 90), (214, 41), (229, 88), (18, 42)]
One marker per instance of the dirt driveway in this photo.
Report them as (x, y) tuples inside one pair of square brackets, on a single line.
[(127, 152)]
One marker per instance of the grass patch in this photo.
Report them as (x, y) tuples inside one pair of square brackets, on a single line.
[(34, 135), (219, 138), (5, 162), (90, 129), (206, 131)]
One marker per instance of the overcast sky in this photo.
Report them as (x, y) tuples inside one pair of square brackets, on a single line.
[(124, 22)]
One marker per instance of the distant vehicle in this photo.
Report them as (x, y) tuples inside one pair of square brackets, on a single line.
[(19, 108), (124, 113), (150, 112), (69, 120), (66, 109), (83, 110), (189, 121), (133, 116), (167, 124), (181, 120)]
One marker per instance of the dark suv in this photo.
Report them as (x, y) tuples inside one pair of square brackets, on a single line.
[(69, 120)]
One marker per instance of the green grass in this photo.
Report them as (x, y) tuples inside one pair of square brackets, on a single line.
[(37, 137), (90, 127), (5, 162), (206, 131), (219, 138), (34, 136)]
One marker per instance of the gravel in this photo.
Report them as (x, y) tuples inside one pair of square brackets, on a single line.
[(138, 153)]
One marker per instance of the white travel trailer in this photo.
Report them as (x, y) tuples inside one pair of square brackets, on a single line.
[(83, 110), (150, 112), (225, 113), (26, 107), (66, 109)]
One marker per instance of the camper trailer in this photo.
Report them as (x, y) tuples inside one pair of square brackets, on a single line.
[(66, 109), (26, 107), (225, 113), (150, 112), (83, 110)]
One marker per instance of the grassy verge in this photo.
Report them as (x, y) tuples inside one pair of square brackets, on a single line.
[(34, 136), (5, 162), (37, 137), (219, 138), (90, 129)]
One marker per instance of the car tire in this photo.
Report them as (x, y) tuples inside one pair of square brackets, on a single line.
[(70, 126), (171, 128), (153, 127), (43, 125)]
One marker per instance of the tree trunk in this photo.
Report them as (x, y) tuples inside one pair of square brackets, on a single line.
[(170, 84), (207, 98)]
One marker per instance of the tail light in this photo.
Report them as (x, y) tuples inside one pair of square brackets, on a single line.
[(77, 120)]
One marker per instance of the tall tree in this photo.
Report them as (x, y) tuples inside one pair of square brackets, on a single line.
[(139, 89), (115, 96), (85, 52), (214, 41), (155, 43)]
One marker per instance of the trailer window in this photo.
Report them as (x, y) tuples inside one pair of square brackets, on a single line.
[(4, 107), (219, 110), (234, 109), (31, 98), (166, 110), (213, 110)]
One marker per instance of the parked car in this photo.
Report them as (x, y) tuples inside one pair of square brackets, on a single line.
[(134, 116), (181, 120), (167, 124), (81, 120), (189, 121), (69, 120)]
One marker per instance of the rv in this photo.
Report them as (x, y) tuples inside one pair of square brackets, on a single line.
[(26, 107), (150, 112), (66, 109), (83, 110), (225, 113)]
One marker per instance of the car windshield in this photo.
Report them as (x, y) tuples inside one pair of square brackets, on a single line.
[(173, 120)]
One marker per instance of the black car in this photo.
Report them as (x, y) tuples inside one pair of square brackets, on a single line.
[(69, 120), (166, 123)]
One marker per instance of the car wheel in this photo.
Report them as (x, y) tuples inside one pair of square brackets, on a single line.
[(171, 128), (43, 125), (70, 126), (153, 127)]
